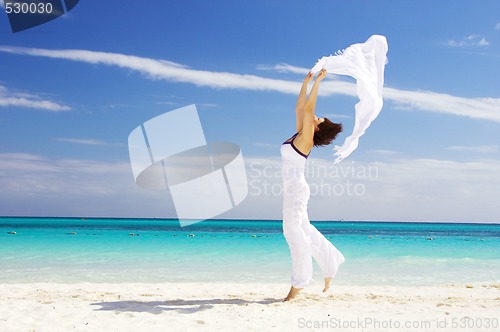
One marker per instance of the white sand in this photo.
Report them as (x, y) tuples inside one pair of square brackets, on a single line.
[(246, 307)]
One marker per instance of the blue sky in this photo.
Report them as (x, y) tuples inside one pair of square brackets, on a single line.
[(73, 89)]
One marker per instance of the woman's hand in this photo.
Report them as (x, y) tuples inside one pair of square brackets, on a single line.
[(308, 78), (321, 75)]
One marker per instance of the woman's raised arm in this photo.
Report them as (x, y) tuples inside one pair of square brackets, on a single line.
[(309, 108), (301, 102)]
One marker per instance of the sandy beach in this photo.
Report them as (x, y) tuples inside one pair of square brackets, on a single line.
[(244, 307)]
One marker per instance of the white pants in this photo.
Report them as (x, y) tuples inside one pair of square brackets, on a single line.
[(304, 240)]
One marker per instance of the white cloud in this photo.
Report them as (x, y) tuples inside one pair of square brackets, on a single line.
[(208, 105), (335, 116), (434, 190), (287, 68), (37, 163), (382, 152), (483, 42), (85, 141), (284, 68), (476, 149), (473, 40), (477, 108), (42, 186), (393, 190), (167, 103), (497, 26), (163, 70), (266, 145), (10, 98)]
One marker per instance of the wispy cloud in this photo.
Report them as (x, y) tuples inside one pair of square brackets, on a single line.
[(449, 190), (265, 145), (167, 103), (10, 98), (477, 108), (464, 188), (290, 69), (381, 152), (208, 105), (201, 105), (334, 116), (33, 163), (473, 40), (395, 189), (85, 141), (163, 70), (497, 27), (476, 149), (284, 68), (39, 185)]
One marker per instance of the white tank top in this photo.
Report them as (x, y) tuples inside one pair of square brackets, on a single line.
[(293, 162)]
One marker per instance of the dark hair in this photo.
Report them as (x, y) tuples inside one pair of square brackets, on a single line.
[(326, 133)]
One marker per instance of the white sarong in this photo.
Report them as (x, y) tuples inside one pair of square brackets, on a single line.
[(366, 63)]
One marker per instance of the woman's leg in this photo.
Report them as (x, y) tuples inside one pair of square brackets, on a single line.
[(300, 249), (328, 257), (296, 196)]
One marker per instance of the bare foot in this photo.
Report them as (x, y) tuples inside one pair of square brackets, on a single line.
[(327, 284), (293, 292)]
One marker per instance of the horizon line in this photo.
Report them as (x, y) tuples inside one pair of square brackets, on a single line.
[(258, 220)]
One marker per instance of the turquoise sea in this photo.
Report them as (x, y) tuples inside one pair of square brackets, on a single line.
[(72, 250)]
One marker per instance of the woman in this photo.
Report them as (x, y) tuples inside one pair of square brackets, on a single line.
[(303, 238)]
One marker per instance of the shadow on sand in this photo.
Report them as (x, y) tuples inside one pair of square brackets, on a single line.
[(179, 305)]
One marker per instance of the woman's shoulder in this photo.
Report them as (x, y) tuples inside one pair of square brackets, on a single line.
[(304, 144)]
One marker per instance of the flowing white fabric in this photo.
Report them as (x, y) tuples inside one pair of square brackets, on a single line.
[(366, 63)]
